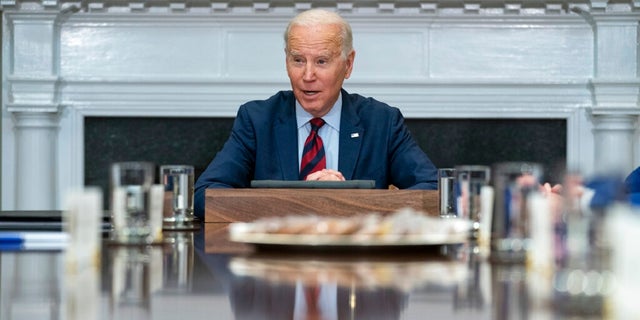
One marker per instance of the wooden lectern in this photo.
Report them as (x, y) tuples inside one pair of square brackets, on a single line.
[(245, 205), (223, 206)]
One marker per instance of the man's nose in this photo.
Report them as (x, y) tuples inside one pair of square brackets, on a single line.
[(309, 72)]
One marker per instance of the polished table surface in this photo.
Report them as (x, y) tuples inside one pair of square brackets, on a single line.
[(200, 275)]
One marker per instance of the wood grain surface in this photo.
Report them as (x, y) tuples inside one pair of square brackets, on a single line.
[(216, 237), (245, 205)]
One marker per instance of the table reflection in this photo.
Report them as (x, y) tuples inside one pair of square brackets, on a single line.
[(132, 277), (354, 286), (473, 292), (185, 278), (138, 273), (177, 262), (31, 286)]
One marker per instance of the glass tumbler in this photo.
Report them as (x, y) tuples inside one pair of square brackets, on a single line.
[(447, 192), (130, 201), (470, 181), (178, 183)]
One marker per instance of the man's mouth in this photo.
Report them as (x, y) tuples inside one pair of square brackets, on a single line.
[(310, 93)]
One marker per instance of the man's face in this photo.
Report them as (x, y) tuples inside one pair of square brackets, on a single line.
[(316, 67)]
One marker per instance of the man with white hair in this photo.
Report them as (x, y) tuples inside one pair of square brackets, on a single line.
[(317, 130)]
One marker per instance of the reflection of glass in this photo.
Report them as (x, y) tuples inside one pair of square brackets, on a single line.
[(133, 279), (82, 292), (178, 261), (178, 186), (510, 293), (30, 285), (473, 293)]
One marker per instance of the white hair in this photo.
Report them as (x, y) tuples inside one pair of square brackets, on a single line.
[(323, 17)]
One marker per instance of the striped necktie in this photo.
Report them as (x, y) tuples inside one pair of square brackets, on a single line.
[(313, 158)]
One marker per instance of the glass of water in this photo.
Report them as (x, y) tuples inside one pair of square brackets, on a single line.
[(514, 183), (178, 183), (130, 201), (470, 180), (447, 192)]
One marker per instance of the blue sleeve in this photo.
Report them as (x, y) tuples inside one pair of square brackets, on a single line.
[(410, 167), (233, 166), (632, 182)]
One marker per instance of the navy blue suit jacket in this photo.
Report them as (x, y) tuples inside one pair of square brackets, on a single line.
[(374, 144)]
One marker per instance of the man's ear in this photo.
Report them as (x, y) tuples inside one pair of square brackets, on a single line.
[(350, 58)]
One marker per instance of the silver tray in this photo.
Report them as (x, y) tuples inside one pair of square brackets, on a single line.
[(242, 232)]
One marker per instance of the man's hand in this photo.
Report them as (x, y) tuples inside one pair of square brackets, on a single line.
[(548, 189), (326, 175)]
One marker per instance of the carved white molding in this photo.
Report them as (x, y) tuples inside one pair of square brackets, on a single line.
[(614, 135), (36, 160), (525, 7), (66, 60), (621, 94)]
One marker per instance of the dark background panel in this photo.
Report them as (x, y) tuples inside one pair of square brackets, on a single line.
[(450, 142), (195, 141)]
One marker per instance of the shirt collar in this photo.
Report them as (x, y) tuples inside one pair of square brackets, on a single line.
[(332, 118)]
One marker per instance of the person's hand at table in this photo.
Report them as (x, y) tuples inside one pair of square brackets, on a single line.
[(546, 188), (553, 193), (528, 180), (326, 175)]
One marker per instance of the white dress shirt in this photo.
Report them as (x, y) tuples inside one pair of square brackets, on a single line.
[(329, 132)]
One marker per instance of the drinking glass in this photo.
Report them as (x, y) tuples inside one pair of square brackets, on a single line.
[(513, 184), (469, 184), (178, 194), (447, 191), (130, 201)]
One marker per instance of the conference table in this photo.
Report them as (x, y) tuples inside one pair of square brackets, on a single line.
[(200, 274)]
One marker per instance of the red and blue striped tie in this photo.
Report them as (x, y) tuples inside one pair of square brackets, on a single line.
[(313, 158)]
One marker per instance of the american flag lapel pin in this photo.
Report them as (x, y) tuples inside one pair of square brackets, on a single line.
[(355, 135)]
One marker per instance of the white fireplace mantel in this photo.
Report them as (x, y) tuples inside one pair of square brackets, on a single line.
[(66, 60)]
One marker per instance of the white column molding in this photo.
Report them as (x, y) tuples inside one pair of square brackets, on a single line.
[(616, 87), (614, 141), (36, 144), (31, 100)]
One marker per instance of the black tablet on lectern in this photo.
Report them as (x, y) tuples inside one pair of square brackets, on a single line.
[(299, 184)]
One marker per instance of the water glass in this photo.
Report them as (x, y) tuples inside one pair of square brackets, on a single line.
[(447, 192), (513, 184), (469, 184), (178, 183), (130, 201)]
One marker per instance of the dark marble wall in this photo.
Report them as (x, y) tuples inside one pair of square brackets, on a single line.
[(195, 141), (450, 142)]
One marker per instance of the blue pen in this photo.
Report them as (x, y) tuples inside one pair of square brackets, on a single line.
[(13, 241)]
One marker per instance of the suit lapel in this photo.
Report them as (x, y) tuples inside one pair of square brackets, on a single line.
[(351, 133), (286, 135)]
